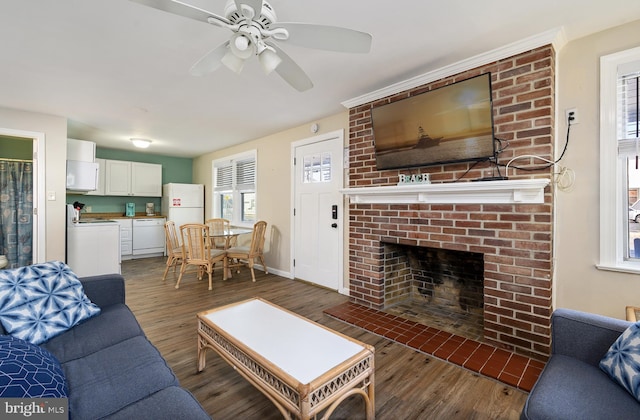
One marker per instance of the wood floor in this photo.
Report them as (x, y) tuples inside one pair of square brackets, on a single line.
[(408, 384)]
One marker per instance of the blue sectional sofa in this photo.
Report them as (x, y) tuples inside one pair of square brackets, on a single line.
[(572, 386), (111, 369)]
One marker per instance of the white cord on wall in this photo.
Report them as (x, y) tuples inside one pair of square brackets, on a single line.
[(564, 179)]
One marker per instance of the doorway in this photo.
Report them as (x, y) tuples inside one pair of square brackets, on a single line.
[(22, 225), (318, 210)]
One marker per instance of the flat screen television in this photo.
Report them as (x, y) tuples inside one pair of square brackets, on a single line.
[(453, 123)]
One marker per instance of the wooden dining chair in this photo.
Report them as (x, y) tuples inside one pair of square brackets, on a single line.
[(245, 255), (198, 251), (218, 226), (174, 249)]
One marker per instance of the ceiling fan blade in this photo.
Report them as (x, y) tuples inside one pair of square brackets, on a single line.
[(291, 72), (183, 9), (256, 5), (324, 37), (210, 61)]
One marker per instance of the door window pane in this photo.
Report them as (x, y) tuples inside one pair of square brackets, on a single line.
[(317, 168)]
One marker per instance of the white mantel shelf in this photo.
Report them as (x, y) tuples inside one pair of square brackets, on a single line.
[(517, 191)]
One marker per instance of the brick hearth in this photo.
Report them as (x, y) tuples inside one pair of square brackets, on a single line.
[(515, 239)]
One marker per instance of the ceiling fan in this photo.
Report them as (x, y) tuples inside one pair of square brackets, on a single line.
[(255, 27)]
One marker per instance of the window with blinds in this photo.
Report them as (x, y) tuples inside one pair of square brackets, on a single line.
[(234, 192), (619, 162), (628, 129)]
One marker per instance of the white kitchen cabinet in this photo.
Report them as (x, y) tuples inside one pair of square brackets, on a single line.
[(101, 178), (117, 177), (81, 150), (92, 248), (146, 179), (139, 179), (126, 237)]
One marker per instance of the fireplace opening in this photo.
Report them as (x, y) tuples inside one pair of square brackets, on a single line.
[(435, 287)]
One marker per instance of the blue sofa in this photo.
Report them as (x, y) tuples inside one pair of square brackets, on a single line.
[(572, 386), (111, 369)]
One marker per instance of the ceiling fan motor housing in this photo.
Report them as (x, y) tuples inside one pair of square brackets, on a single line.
[(266, 18)]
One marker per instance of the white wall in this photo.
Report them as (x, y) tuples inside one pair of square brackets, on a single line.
[(274, 183), (55, 131), (578, 284)]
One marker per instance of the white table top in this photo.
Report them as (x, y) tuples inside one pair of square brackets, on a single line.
[(298, 346)]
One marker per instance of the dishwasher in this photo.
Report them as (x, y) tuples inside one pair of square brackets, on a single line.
[(148, 236)]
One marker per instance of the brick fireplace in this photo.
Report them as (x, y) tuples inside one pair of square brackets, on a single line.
[(514, 240)]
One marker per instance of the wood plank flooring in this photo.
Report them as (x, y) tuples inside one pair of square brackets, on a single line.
[(408, 384)]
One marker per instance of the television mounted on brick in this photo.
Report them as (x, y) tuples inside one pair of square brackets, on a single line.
[(453, 123)]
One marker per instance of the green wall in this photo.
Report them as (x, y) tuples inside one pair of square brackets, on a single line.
[(16, 148), (173, 170)]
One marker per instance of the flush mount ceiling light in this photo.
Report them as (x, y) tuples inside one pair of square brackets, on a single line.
[(141, 143)]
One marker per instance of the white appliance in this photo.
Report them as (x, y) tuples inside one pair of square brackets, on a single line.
[(183, 203), (82, 168), (82, 176), (93, 245), (148, 236)]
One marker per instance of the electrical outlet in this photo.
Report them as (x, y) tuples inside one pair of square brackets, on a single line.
[(575, 120), (88, 209)]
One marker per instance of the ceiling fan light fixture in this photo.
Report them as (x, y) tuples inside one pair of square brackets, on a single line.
[(141, 143), (269, 60), (233, 62), (241, 46)]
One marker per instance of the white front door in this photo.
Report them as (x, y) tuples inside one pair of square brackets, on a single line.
[(318, 224)]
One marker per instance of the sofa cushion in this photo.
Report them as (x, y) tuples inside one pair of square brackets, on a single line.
[(622, 361), (29, 371), (571, 389), (103, 382), (172, 403), (115, 324), (40, 301)]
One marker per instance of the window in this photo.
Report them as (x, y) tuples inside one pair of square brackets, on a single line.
[(620, 161), (317, 168), (234, 191)]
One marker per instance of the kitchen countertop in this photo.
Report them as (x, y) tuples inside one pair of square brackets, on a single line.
[(140, 215)]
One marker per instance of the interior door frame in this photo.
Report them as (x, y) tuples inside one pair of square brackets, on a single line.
[(39, 197), (337, 134)]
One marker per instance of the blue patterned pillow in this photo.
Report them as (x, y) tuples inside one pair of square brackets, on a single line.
[(29, 371), (40, 301), (622, 361)]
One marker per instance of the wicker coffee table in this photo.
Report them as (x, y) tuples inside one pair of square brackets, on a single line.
[(304, 368)]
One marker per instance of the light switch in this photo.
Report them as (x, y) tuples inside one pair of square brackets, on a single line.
[(51, 195)]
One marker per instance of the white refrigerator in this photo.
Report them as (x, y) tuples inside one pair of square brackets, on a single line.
[(183, 203)]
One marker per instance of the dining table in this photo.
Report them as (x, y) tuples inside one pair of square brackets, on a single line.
[(229, 235)]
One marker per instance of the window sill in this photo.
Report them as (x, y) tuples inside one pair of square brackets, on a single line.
[(626, 267)]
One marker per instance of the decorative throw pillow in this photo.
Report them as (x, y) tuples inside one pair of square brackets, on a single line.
[(622, 361), (29, 371), (40, 301)]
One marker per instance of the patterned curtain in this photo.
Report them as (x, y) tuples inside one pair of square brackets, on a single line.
[(16, 212)]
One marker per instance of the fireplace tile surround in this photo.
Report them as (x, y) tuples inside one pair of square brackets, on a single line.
[(514, 238)]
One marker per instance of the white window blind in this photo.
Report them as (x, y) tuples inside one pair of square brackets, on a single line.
[(619, 146), (246, 174), (627, 126), (224, 176), (234, 191)]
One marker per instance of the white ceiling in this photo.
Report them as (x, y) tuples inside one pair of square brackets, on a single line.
[(117, 69)]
